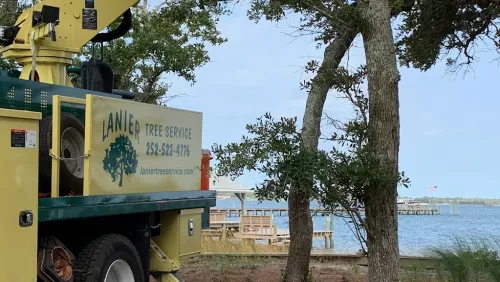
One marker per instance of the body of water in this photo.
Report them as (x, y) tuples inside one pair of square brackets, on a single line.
[(417, 233)]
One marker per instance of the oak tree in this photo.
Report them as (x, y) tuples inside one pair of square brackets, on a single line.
[(380, 199), (336, 24)]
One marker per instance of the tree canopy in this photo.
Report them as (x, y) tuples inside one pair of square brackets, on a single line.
[(170, 38), (450, 29)]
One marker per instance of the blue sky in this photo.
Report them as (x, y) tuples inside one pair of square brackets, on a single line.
[(449, 124)]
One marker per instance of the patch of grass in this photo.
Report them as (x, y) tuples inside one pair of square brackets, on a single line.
[(229, 246), (355, 269), (223, 262), (469, 259), (310, 276), (418, 274)]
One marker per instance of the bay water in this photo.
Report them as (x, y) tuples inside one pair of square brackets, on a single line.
[(417, 233)]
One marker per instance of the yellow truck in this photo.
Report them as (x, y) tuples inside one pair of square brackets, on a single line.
[(95, 186)]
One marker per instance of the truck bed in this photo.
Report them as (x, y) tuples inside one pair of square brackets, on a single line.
[(77, 207)]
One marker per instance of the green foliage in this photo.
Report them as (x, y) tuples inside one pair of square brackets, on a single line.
[(430, 29), (310, 277), (10, 10), (446, 27), (169, 39), (470, 259), (276, 151), (120, 158), (324, 19)]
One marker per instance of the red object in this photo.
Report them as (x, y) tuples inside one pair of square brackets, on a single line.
[(205, 169)]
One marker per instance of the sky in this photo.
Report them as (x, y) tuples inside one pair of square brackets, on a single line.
[(449, 123)]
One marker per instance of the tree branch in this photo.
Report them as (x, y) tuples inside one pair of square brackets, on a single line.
[(323, 82), (321, 10), (360, 218), (358, 234)]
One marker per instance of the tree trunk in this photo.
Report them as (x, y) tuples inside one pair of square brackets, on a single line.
[(301, 227), (383, 79)]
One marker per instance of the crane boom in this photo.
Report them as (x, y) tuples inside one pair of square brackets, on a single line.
[(49, 33)]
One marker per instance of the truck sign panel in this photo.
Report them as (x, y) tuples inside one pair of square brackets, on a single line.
[(141, 148)]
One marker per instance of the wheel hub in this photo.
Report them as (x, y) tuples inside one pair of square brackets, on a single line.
[(72, 146), (119, 271)]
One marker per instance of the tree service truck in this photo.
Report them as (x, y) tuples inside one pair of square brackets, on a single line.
[(95, 185)]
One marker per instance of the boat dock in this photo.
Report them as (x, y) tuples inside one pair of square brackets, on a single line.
[(402, 210)]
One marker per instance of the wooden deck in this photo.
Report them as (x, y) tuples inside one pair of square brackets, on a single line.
[(258, 228), (282, 236)]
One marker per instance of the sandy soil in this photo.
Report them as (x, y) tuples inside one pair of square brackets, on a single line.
[(247, 269), (263, 270)]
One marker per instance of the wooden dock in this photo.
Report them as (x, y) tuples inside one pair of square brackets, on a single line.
[(281, 237), (255, 227), (284, 237), (403, 210)]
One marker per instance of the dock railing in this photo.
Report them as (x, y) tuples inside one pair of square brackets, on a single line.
[(217, 217), (217, 225), (258, 227)]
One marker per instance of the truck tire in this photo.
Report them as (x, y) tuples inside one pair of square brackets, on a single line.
[(72, 145), (109, 258)]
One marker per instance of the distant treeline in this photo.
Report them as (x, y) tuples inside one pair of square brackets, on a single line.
[(464, 201)]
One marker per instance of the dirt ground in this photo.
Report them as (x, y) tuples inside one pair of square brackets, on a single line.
[(232, 269)]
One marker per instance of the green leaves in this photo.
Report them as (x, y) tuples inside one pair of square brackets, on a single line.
[(322, 19), (274, 150), (446, 27), (469, 259), (168, 39), (10, 10)]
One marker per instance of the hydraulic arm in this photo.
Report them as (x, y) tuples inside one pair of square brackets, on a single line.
[(45, 37)]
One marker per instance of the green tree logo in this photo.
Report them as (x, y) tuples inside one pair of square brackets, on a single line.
[(120, 158)]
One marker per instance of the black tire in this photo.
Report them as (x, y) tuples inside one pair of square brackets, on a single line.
[(93, 261), (68, 182)]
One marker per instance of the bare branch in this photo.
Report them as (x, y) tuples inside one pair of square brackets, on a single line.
[(322, 10), (360, 218)]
